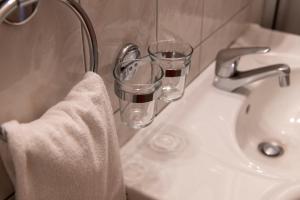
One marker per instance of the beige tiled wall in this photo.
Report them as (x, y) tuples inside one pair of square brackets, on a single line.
[(41, 60)]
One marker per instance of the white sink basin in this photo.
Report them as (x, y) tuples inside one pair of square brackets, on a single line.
[(272, 114), (205, 145)]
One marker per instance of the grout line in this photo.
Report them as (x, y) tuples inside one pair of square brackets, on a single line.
[(84, 53), (156, 20), (275, 19), (223, 25), (202, 19)]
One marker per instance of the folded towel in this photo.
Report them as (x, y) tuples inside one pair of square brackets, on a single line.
[(71, 152)]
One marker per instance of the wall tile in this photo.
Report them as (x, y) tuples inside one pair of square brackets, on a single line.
[(118, 22), (257, 8), (180, 20), (224, 37), (218, 12)]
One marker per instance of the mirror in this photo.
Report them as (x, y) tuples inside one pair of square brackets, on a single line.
[(22, 14)]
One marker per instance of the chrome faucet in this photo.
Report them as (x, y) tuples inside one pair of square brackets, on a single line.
[(228, 78)]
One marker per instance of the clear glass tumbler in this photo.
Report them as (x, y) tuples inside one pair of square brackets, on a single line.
[(175, 58), (138, 86)]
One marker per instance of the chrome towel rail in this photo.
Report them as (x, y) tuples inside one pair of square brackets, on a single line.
[(89, 31), (8, 6)]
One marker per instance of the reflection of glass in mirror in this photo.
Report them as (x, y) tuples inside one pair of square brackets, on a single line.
[(22, 14)]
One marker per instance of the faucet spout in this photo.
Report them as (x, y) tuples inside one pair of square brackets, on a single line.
[(284, 76), (240, 79), (284, 80)]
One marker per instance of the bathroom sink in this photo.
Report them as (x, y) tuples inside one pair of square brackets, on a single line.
[(214, 144), (268, 126)]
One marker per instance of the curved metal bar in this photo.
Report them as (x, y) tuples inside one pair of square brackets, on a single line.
[(89, 31), (8, 6)]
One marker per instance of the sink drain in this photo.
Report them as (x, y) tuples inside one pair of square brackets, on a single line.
[(270, 149)]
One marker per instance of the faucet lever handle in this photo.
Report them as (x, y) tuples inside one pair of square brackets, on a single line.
[(227, 59)]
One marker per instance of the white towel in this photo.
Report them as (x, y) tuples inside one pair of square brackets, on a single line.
[(71, 152)]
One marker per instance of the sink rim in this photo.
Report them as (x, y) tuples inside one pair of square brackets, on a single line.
[(255, 131)]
